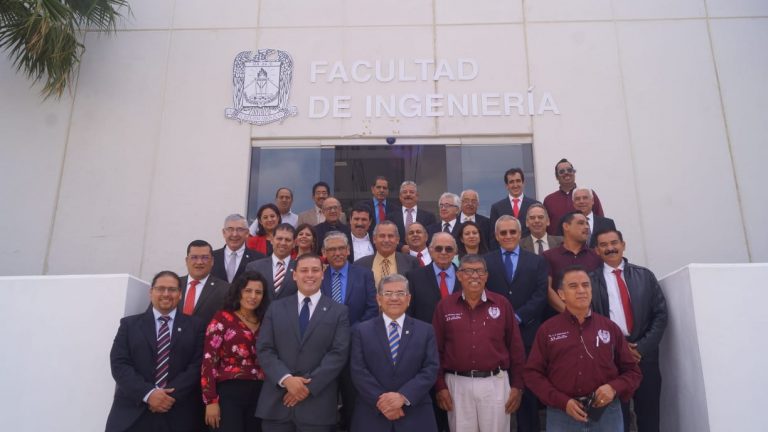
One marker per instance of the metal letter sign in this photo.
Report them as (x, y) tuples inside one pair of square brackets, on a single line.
[(262, 84)]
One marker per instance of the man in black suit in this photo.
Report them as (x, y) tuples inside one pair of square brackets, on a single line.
[(521, 277), (387, 260), (515, 203), (416, 240), (379, 205), (450, 206), (332, 211), (537, 221), (229, 262), (155, 360), (409, 211), (631, 297), (361, 234), (278, 268), (470, 202), (202, 293), (583, 201)]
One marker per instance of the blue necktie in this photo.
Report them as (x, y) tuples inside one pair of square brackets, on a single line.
[(394, 340), (336, 288), (304, 316), (509, 266)]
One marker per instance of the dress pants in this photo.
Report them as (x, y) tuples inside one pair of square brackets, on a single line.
[(646, 399), (237, 400), (611, 421), (478, 403)]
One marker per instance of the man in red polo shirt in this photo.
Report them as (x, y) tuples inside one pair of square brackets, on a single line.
[(481, 354)]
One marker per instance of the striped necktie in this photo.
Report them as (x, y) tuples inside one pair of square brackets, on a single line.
[(394, 340), (279, 276), (163, 352), (336, 287)]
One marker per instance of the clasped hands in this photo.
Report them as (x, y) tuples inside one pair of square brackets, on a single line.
[(297, 390), (391, 405), (160, 400)]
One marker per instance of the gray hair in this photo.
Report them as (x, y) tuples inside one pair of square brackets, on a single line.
[(538, 205), (385, 223), (393, 278), (581, 188), (472, 259), (332, 235), (235, 217), (443, 234), (408, 183), (466, 191), (505, 218), (453, 197)]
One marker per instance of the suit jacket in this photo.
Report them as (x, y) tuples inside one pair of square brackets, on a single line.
[(360, 297), (425, 292), (527, 292), (504, 207), (649, 307), (390, 205), (405, 263), (211, 300), (438, 227), (264, 266), (132, 360), (526, 243), (422, 216), (220, 266), (320, 355), (600, 223), (373, 374), (310, 217), (324, 228)]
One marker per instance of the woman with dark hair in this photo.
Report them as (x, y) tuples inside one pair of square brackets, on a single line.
[(269, 218), (306, 240), (471, 240), (231, 377)]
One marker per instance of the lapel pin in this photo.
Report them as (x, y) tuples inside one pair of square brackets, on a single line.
[(178, 329), (324, 309), (407, 332)]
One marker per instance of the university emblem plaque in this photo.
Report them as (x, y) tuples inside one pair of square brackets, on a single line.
[(262, 85)]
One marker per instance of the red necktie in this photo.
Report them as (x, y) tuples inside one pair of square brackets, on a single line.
[(516, 207), (382, 216), (625, 303), (421, 262), (443, 286), (189, 300)]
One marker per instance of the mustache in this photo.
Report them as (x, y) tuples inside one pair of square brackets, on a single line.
[(611, 252)]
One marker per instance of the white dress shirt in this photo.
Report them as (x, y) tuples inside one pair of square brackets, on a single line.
[(362, 247), (290, 218), (313, 299), (399, 320), (615, 307), (238, 254), (424, 256), (465, 218), (544, 243), (405, 213), (198, 288)]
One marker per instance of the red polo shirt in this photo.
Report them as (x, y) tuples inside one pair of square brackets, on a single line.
[(561, 258), (559, 204), (483, 339), (571, 360)]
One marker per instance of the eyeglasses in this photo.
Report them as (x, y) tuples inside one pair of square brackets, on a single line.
[(441, 249), (332, 250), (203, 258), (331, 208), (395, 294), (470, 272), (505, 233), (566, 171), (231, 230), (447, 206), (166, 290)]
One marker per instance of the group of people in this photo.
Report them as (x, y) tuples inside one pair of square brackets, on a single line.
[(400, 320)]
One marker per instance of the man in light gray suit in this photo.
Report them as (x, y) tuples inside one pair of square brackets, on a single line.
[(303, 346), (387, 260), (537, 221), (278, 268)]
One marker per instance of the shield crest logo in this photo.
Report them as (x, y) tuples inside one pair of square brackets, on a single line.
[(262, 85), (604, 335), (494, 312)]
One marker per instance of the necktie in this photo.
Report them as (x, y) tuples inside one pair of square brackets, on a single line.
[(163, 351), (304, 316), (279, 276), (419, 256), (408, 217), (189, 299), (443, 285), (447, 227), (385, 267), (589, 234), (382, 215), (336, 287), (231, 266), (509, 266), (539, 247), (625, 303), (394, 340), (516, 206)]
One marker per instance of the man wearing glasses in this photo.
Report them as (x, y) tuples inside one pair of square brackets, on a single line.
[(560, 202), (481, 353), (229, 262), (450, 206), (202, 293)]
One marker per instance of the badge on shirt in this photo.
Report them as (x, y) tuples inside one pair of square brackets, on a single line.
[(452, 316), (494, 312), (604, 335)]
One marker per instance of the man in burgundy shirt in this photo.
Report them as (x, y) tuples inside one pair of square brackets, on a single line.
[(578, 355), (560, 202), (481, 354)]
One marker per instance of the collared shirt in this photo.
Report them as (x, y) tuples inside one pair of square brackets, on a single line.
[(425, 257), (320, 215), (591, 222), (519, 201), (198, 288), (362, 247), (615, 306), (405, 213), (544, 243), (343, 276), (570, 360), (451, 224), (286, 261), (157, 315), (399, 320), (559, 203), (377, 260), (376, 209), (515, 257), (450, 276), (560, 258), (463, 218), (238, 254), (313, 299), (290, 218), (485, 338)]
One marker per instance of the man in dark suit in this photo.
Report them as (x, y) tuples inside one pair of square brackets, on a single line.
[(409, 211), (416, 240), (521, 277), (631, 297), (379, 205), (470, 202), (350, 285), (515, 203), (450, 206), (537, 221), (278, 268), (303, 346), (361, 234), (387, 260), (394, 364), (332, 211), (583, 201), (229, 262), (427, 285), (202, 293), (155, 361)]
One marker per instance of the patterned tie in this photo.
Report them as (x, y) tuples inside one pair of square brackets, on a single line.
[(447, 227), (304, 316), (163, 351), (419, 256), (394, 340), (336, 287), (625, 303), (382, 215), (189, 300), (509, 266), (443, 285), (516, 207), (539, 247), (231, 266), (385, 267), (279, 276), (589, 234), (408, 217)]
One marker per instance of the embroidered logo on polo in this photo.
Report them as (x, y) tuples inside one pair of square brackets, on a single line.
[(604, 335), (494, 312), (553, 337), (452, 316)]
